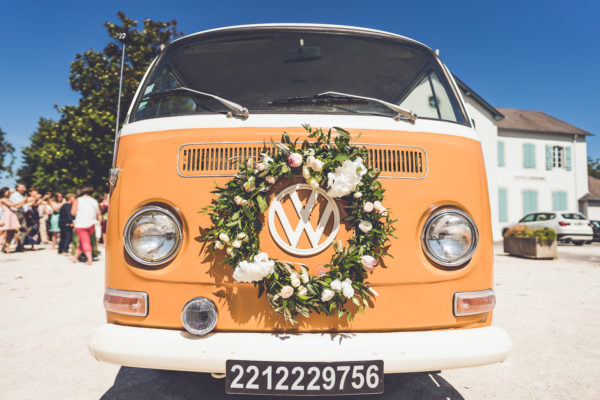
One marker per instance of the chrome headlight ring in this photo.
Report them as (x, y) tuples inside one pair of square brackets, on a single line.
[(134, 218), (434, 253)]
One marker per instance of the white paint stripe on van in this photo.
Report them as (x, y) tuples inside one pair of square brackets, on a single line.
[(290, 120)]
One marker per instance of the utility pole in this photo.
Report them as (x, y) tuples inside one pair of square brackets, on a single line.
[(114, 172)]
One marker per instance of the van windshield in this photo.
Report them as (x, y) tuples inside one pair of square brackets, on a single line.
[(285, 71)]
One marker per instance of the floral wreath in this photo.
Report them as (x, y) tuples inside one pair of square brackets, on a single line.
[(324, 160)]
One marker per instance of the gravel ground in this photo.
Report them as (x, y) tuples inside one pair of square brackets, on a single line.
[(550, 308)]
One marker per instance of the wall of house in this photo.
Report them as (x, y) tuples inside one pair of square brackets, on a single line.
[(515, 178), (486, 128)]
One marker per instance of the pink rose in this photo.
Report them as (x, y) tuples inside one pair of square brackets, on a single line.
[(260, 167), (238, 200), (369, 263), (270, 179), (295, 160), (380, 208), (368, 207)]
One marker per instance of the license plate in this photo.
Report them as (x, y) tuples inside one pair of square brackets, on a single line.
[(304, 378)]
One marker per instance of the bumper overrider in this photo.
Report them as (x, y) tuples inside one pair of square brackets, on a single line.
[(400, 351)]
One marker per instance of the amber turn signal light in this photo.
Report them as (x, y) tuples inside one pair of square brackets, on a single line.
[(126, 302), (470, 303)]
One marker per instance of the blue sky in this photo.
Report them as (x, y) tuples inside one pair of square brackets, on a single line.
[(536, 55)]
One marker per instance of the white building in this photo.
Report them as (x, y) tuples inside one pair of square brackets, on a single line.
[(534, 162)]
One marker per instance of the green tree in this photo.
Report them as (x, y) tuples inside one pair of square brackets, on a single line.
[(594, 167), (77, 149), (6, 152)]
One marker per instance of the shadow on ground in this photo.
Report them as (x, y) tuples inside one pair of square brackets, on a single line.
[(138, 383)]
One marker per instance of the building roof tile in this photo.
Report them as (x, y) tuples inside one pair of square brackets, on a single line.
[(535, 121), (594, 189)]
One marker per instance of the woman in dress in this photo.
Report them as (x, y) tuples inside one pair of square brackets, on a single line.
[(55, 204), (86, 211), (9, 223)]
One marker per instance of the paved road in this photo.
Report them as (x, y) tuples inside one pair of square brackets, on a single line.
[(550, 308)]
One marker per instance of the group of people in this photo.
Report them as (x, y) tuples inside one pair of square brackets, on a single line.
[(29, 218)]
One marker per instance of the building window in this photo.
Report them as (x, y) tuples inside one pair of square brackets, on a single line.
[(528, 155), (530, 201), (502, 205), (501, 154), (558, 157), (559, 201)]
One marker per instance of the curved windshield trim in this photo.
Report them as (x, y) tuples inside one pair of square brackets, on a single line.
[(326, 29)]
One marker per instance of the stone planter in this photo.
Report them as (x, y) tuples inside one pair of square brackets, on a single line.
[(529, 247)]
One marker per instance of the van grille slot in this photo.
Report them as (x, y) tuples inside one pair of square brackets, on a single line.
[(221, 159)]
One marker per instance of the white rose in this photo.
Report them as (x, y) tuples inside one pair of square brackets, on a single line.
[(229, 250), (260, 167), (241, 236), (327, 295), (254, 271), (237, 244), (302, 291), (305, 277), (368, 206), (219, 245), (346, 282), (224, 237), (295, 279), (348, 292), (365, 226), (317, 165), (305, 172), (270, 179), (357, 195), (286, 292), (310, 160), (346, 178), (336, 285), (267, 160)]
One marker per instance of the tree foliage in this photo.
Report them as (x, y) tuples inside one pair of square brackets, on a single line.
[(77, 149), (594, 168), (6, 155)]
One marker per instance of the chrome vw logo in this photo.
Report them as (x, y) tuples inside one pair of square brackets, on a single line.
[(304, 224)]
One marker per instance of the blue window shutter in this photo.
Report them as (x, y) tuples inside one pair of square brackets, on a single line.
[(563, 200), (502, 205), (568, 157), (528, 155), (555, 201), (501, 154), (548, 157), (529, 201)]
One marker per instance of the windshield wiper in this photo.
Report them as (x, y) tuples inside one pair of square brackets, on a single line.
[(317, 98), (402, 113), (236, 108)]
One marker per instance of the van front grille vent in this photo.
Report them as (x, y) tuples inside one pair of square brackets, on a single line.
[(197, 160)]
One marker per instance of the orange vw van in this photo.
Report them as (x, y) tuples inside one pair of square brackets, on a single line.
[(213, 105)]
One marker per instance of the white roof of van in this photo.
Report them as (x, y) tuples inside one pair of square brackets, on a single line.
[(303, 25)]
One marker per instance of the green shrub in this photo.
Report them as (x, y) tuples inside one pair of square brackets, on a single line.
[(544, 236)]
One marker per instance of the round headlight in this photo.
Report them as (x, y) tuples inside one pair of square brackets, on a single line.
[(152, 235), (450, 237), (199, 316)]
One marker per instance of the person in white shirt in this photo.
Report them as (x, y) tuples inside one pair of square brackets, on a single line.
[(17, 198), (86, 211)]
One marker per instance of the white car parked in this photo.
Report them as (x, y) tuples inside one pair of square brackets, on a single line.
[(569, 227)]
